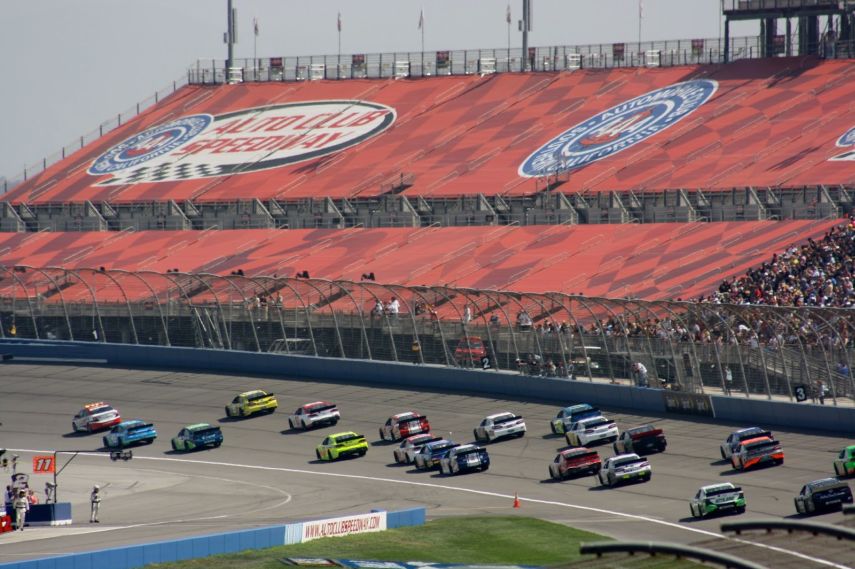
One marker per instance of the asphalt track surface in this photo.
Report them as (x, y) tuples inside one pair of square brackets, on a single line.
[(266, 474)]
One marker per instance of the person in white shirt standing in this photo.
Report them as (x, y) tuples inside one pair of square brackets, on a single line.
[(95, 503)]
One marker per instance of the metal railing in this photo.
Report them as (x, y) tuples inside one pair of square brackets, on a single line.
[(657, 547), (476, 61), (742, 351)]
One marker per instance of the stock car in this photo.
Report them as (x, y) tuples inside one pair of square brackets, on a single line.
[(405, 454), (95, 417), (624, 468), (197, 436), (464, 458), (342, 445), (757, 451), (570, 415), (251, 402), (735, 438), (130, 432), (591, 430), (823, 495), (717, 499), (500, 425), (844, 464), (429, 455), (404, 425), (641, 440), (574, 462), (313, 415)]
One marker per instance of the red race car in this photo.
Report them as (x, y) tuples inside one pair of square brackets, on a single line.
[(404, 425), (574, 462)]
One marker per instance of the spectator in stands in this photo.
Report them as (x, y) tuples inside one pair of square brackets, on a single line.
[(640, 372), (524, 320), (377, 310), (393, 308), (467, 315)]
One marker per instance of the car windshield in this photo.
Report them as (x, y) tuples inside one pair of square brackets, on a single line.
[(761, 447), (468, 451), (438, 447), (720, 490), (580, 455), (258, 395), (504, 419)]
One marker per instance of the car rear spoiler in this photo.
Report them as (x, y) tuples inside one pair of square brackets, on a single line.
[(650, 433)]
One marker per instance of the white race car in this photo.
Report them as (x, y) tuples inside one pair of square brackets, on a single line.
[(592, 430), (406, 452), (313, 415), (500, 425), (624, 468), (95, 417)]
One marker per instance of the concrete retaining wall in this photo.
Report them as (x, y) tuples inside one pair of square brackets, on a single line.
[(561, 391)]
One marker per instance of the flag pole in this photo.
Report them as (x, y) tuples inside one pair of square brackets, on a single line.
[(508, 20), (255, 45), (640, 16), (338, 67)]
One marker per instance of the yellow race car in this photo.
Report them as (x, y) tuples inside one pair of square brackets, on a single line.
[(250, 403), (342, 445)]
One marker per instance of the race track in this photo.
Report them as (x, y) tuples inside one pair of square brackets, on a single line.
[(265, 474)]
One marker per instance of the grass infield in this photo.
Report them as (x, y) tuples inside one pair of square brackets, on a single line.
[(475, 540)]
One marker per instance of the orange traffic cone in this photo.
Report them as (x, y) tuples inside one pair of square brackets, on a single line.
[(516, 501)]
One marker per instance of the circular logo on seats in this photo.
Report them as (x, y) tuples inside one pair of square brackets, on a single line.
[(150, 144), (618, 128), (848, 138), (242, 141)]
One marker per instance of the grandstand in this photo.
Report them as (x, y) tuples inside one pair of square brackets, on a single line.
[(589, 197)]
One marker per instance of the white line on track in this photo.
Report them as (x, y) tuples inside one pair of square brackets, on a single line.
[(472, 491)]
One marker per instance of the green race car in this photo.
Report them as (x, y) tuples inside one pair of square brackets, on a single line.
[(717, 499), (197, 436), (844, 464), (342, 445), (251, 402)]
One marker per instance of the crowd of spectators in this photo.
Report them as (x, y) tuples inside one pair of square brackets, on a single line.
[(818, 273)]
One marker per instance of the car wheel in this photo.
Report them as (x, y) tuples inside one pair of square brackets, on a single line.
[(723, 456), (335, 422), (554, 430), (318, 454), (382, 438), (612, 439), (397, 458), (362, 452), (692, 511), (106, 443), (552, 474), (303, 424), (217, 444), (614, 448), (485, 467), (740, 510), (228, 412), (475, 434), (611, 480), (174, 446)]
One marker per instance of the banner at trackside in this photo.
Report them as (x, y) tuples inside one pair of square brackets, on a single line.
[(345, 525)]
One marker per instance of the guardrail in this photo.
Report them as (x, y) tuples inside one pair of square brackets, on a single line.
[(134, 556), (816, 528), (658, 547)]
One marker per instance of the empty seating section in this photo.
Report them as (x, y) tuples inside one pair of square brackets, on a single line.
[(651, 261), (772, 122)]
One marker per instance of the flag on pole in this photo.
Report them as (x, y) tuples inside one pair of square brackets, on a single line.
[(421, 18), (640, 9), (508, 14), (255, 26), (338, 22)]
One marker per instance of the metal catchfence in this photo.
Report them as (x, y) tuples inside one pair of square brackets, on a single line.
[(783, 353)]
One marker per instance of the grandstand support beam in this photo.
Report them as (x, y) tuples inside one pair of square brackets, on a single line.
[(10, 220)]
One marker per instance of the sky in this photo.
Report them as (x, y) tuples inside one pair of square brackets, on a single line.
[(71, 65)]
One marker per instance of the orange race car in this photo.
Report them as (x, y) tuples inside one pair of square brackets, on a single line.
[(757, 451)]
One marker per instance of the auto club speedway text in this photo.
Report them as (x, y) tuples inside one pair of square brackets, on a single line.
[(344, 526)]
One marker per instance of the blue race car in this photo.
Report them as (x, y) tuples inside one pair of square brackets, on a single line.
[(464, 458), (429, 456), (197, 436), (128, 433)]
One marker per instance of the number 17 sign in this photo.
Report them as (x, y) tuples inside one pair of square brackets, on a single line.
[(43, 464)]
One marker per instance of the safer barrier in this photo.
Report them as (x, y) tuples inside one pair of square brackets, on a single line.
[(560, 390), (195, 547)]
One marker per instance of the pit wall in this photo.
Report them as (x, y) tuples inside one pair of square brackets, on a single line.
[(839, 420), (203, 546)]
